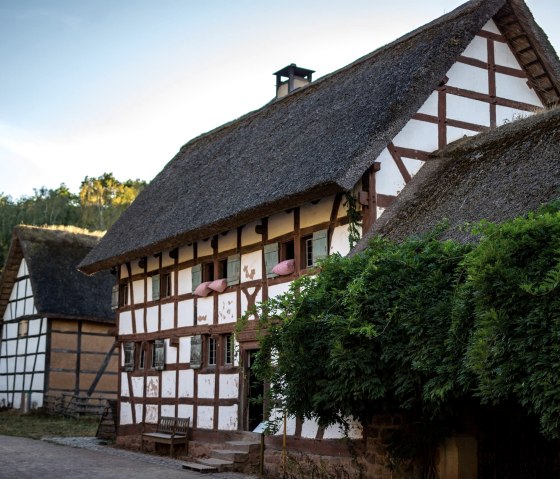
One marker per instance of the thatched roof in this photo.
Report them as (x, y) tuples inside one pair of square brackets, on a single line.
[(59, 289), (314, 142), (494, 176)]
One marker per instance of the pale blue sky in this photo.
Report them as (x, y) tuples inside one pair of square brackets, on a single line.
[(89, 86)]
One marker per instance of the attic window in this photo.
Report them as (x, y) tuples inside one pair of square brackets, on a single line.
[(228, 349), (287, 250), (212, 350), (207, 272), (123, 294), (314, 248), (306, 251), (165, 285)]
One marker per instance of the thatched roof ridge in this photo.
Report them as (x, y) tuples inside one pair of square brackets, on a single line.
[(494, 176), (59, 289), (312, 143)]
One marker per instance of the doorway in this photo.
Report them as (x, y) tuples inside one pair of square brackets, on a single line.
[(255, 393)]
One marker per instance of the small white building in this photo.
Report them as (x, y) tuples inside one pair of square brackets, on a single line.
[(243, 210)]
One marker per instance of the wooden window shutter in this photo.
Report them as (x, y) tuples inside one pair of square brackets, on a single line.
[(196, 351), (155, 287), (270, 258), (320, 245), (128, 350), (196, 275), (159, 354), (233, 269), (115, 297)]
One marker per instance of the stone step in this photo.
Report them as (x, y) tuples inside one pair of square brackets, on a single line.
[(245, 446), (230, 455), (202, 468), (219, 464)]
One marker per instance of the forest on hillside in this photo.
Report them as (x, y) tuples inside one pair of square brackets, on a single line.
[(96, 207)]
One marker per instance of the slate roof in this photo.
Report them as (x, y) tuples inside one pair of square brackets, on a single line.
[(59, 289), (312, 143), (494, 176)]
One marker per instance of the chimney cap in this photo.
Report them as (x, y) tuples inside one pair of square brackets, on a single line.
[(294, 70)]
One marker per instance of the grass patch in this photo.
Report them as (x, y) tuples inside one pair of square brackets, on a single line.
[(36, 425)]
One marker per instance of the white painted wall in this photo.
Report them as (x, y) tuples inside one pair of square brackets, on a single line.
[(227, 308), (229, 386), (206, 384), (227, 418), (205, 310), (280, 224), (251, 266), (205, 419), (186, 383), (185, 313)]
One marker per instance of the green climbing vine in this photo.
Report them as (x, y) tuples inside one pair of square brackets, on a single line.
[(354, 218)]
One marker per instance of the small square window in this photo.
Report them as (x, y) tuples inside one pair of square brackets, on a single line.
[(228, 349), (287, 250), (222, 268), (212, 352), (307, 251), (207, 272)]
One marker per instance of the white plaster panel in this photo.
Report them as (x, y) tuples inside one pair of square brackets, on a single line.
[(206, 384), (205, 419), (34, 327), (251, 266), (312, 214), (31, 345), (388, 180), (342, 211), (465, 109), (458, 133), (204, 248), (123, 272), (152, 319), (186, 383), (185, 410), (430, 106), (419, 135), (505, 114), (124, 385), (125, 323), (468, 77), (245, 303), (138, 291), (170, 353), (151, 414), (185, 313), (490, 26), (11, 347), (20, 364), (16, 402), (516, 89), (149, 295), (228, 241), (135, 269), (41, 362), (186, 253), (309, 429), (167, 316), (2, 348), (29, 306), (167, 260), (12, 330), (249, 235), (278, 289), (184, 350), (168, 410), (168, 381), (227, 308), (280, 224), (227, 418), (339, 241), (18, 382), (13, 296), (153, 264), (229, 386), (22, 270), (38, 381), (152, 386), (139, 408), (138, 386), (139, 320), (412, 166), (27, 378), (504, 56), (205, 310), (11, 364), (477, 49), (44, 326), (185, 281)]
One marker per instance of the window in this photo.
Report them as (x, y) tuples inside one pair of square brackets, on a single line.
[(211, 352), (23, 328), (165, 285), (223, 268), (196, 351), (123, 294), (207, 272), (306, 251), (287, 250), (128, 351), (142, 357), (228, 349), (158, 354), (233, 269)]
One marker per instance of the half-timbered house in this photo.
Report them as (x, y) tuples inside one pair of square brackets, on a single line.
[(244, 209), (57, 324)]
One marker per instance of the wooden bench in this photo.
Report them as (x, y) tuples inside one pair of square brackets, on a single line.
[(170, 430)]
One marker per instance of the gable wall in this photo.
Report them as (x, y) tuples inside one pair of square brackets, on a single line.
[(23, 346), (485, 88)]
